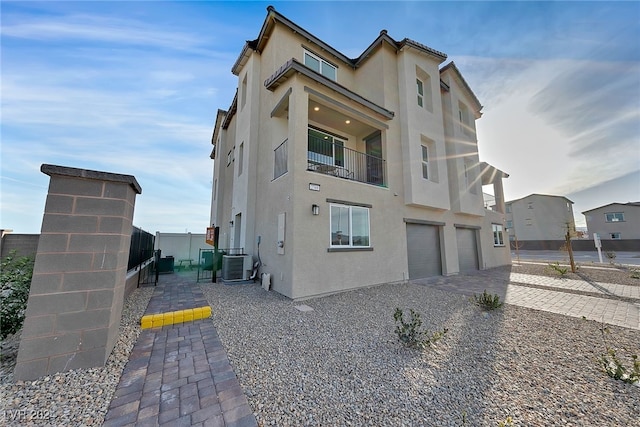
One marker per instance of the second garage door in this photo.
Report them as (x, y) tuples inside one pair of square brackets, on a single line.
[(423, 250)]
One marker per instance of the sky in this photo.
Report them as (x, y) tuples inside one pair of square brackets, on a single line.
[(134, 87)]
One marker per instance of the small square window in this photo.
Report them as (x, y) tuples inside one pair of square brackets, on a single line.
[(615, 236)]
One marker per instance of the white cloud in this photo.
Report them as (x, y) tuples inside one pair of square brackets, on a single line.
[(100, 29), (557, 126)]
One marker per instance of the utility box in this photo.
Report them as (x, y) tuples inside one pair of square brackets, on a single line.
[(236, 267), (166, 265)]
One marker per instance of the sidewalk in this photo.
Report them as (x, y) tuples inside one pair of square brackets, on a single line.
[(609, 303), (179, 375)]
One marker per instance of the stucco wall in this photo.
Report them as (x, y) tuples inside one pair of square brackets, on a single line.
[(628, 229)]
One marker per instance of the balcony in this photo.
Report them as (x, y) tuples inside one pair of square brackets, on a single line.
[(328, 156)]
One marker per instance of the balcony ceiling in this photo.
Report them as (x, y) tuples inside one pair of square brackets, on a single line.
[(336, 120)]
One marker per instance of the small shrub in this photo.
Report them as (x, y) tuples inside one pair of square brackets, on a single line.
[(15, 277), (611, 255), (635, 274), (410, 334), (487, 301), (614, 367), (506, 423), (555, 266)]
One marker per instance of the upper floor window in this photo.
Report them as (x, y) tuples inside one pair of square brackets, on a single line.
[(507, 208), (320, 65), (241, 156), (423, 89), (243, 94), (349, 226), (614, 216), (425, 162), (230, 156), (465, 119), (280, 160)]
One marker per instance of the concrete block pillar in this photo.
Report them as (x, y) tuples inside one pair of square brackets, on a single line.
[(77, 291)]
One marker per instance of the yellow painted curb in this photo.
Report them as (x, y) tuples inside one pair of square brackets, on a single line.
[(173, 317)]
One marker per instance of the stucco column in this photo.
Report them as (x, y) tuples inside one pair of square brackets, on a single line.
[(77, 291), (498, 194)]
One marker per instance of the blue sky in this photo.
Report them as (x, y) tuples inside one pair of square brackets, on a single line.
[(133, 88)]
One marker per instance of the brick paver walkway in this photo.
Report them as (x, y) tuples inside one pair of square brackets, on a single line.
[(604, 302), (179, 375)]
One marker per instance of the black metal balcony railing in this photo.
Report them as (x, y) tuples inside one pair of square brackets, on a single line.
[(335, 159)]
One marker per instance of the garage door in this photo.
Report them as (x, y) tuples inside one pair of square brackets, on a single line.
[(467, 249), (423, 250)]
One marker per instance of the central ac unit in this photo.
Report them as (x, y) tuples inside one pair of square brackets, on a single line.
[(236, 267)]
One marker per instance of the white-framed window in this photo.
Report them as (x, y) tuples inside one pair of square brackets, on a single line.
[(349, 226), (423, 89), (507, 208), (509, 223), (614, 216), (465, 118), (280, 160), (425, 161), (498, 237), (615, 236), (320, 65)]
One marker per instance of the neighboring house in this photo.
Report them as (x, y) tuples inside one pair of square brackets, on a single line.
[(539, 221), (615, 221), (342, 173)]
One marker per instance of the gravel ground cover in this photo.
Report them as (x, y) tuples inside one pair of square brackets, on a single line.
[(342, 364), (75, 398)]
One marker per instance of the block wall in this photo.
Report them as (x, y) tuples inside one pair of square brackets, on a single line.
[(78, 286)]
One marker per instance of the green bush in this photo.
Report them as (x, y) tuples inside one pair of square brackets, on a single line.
[(15, 275), (410, 334), (611, 364), (562, 271), (487, 301)]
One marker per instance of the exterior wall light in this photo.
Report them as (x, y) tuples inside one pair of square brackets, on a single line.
[(315, 209)]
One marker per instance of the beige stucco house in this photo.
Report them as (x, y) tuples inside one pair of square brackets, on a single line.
[(539, 221), (343, 173), (615, 221)]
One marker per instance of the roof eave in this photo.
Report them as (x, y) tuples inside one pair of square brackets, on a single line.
[(216, 131), (294, 66), (458, 75)]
